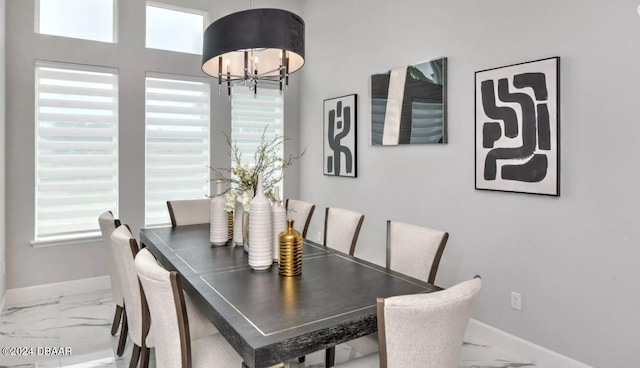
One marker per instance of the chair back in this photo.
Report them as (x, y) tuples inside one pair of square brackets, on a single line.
[(415, 250), (300, 212), (125, 248), (165, 300), (189, 211), (107, 225), (341, 229), (425, 330)]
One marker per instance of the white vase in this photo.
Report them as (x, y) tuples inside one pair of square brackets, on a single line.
[(238, 212), (279, 218), (260, 230), (219, 234)]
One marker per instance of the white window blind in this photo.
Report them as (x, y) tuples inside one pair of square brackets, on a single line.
[(250, 115), (177, 143), (76, 148)]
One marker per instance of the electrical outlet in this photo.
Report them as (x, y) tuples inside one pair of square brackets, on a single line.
[(516, 301)]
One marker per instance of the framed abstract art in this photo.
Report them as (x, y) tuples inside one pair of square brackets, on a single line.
[(340, 122), (409, 104), (517, 128)]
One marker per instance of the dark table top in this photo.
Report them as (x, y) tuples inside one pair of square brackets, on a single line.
[(269, 318)]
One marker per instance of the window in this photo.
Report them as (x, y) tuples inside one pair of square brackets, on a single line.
[(177, 143), (174, 29), (86, 19), (250, 115), (76, 148)]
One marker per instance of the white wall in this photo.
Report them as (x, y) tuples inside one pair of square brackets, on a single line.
[(573, 258), (27, 266), (3, 279)]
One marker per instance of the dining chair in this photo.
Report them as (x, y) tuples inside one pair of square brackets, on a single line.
[(189, 211), (414, 251), (125, 248), (422, 330), (341, 229), (107, 225), (300, 212), (175, 347)]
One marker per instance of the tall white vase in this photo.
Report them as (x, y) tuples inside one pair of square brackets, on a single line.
[(219, 234), (238, 212), (279, 218), (260, 230)]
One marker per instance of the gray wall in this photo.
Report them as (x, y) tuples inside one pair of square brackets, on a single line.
[(27, 266), (3, 279), (573, 258)]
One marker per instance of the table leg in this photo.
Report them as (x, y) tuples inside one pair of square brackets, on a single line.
[(330, 356)]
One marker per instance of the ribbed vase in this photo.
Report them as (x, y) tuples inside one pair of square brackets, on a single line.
[(290, 243), (219, 219), (238, 212), (229, 225), (260, 230), (279, 218)]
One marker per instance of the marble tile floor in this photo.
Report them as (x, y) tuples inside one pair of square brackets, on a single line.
[(83, 322)]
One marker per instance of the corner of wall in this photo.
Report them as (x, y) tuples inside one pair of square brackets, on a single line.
[(3, 281)]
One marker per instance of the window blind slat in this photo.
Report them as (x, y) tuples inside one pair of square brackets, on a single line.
[(160, 97), (76, 132), (177, 144), (77, 118), (192, 110), (77, 91), (175, 122), (76, 148), (66, 76)]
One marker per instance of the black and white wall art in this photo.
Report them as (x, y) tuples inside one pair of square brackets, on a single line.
[(409, 104), (340, 136), (517, 128)]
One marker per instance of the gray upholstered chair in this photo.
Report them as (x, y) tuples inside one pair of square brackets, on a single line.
[(414, 251), (189, 211), (107, 225), (422, 330), (341, 229), (125, 248), (174, 346), (300, 212)]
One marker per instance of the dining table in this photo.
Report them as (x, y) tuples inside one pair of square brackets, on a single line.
[(269, 318)]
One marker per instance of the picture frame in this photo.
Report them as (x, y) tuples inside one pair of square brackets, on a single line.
[(408, 104), (517, 121), (340, 136)]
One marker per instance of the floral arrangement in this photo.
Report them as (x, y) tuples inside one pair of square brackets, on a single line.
[(242, 178)]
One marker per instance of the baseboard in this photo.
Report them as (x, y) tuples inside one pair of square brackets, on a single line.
[(34, 293), (541, 356)]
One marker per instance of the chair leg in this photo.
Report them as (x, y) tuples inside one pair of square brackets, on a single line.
[(124, 331), (135, 355), (144, 361), (116, 320), (330, 356)]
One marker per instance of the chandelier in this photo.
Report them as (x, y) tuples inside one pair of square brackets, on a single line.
[(254, 47)]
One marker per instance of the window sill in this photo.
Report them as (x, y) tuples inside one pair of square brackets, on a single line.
[(55, 241)]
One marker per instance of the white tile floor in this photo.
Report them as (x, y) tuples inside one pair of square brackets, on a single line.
[(83, 322)]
